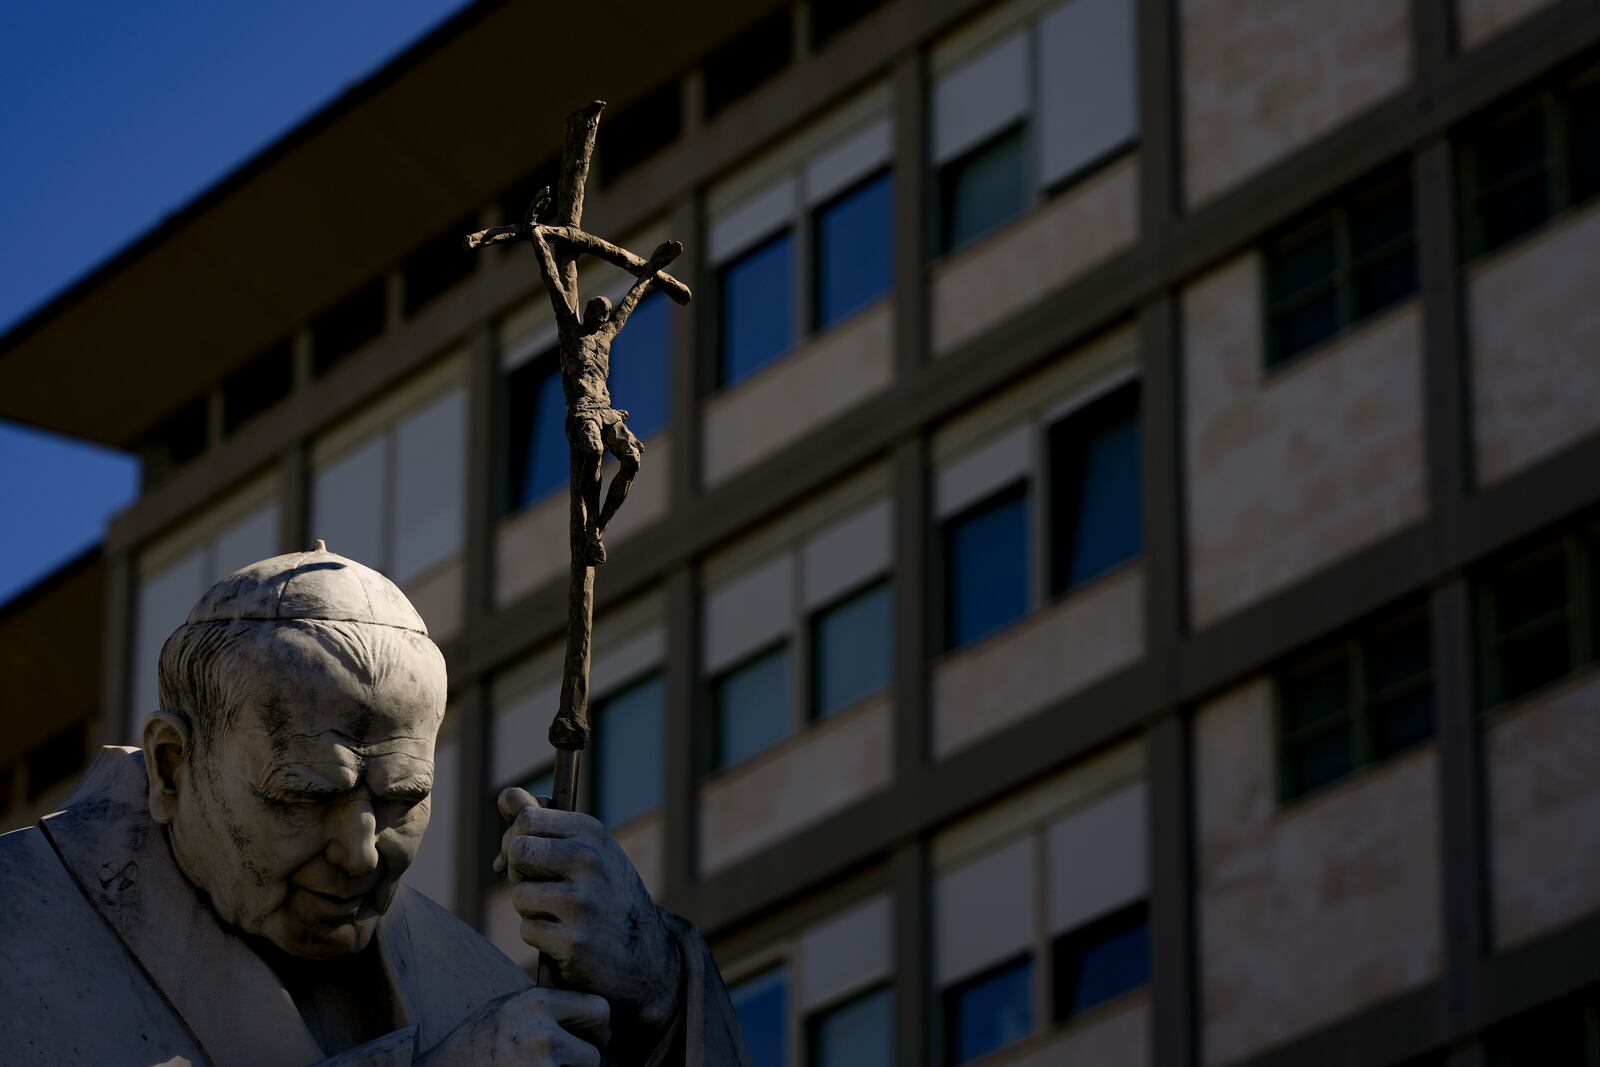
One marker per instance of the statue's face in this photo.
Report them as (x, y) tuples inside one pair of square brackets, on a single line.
[(596, 312), (315, 801)]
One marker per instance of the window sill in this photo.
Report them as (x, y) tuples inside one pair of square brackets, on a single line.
[(1358, 778), (799, 348), (809, 730), (1049, 1039), (1547, 231), (1584, 675)]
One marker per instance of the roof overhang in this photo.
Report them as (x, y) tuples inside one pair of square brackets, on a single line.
[(448, 125)]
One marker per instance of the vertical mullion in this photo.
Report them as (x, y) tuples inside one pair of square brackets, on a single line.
[(1580, 627), (688, 362), (1174, 1029), (683, 731), (1360, 726), (474, 738), (915, 1010)]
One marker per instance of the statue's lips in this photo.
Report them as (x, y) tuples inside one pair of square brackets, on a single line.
[(336, 904)]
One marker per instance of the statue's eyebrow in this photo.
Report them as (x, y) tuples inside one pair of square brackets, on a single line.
[(298, 783)]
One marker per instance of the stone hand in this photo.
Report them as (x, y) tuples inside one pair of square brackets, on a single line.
[(583, 905), (530, 1028)]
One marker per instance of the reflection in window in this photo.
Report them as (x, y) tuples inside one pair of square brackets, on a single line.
[(752, 706), (641, 358), (535, 431), (986, 567), (761, 1003), (858, 1033), (981, 189), (1101, 961), (756, 290), (1095, 508), (628, 746), (990, 1011), (853, 250), (852, 648)]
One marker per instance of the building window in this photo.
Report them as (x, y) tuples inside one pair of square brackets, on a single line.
[(641, 366), (989, 1011), (639, 131), (628, 746), (752, 706), (1096, 519), (1564, 1034), (1539, 618), (1101, 961), (536, 435), (256, 386), (347, 325), (1531, 161), (437, 265), (1355, 703), (852, 650), (1030, 113), (756, 292), (58, 759), (747, 62), (761, 1003), (858, 1033), (986, 567), (853, 250), (174, 441), (1340, 267), (396, 501), (981, 189)]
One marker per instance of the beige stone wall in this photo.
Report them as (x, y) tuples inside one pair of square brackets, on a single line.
[(825, 377), (1037, 253), (1085, 637), (1479, 20), (1291, 470), (1263, 77), (823, 769), (1544, 811), (1310, 912), (531, 545), (1535, 342), (1116, 1035), (438, 595)]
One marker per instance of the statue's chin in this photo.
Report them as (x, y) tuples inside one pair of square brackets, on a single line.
[(320, 940)]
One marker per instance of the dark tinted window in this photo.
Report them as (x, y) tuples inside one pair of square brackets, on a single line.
[(981, 189), (829, 18), (761, 1003), (637, 132), (858, 1033), (628, 751), (986, 568), (852, 650), (757, 291), (437, 265), (1530, 620), (854, 251), (738, 67), (535, 431), (1355, 702), (1096, 515), (1349, 261), (1101, 961), (256, 386), (348, 325), (641, 366), (989, 1012), (176, 440), (752, 706)]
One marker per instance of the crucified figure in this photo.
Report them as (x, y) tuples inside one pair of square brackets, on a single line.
[(593, 425)]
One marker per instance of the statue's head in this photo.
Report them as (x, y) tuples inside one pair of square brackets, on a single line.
[(596, 313), (292, 758)]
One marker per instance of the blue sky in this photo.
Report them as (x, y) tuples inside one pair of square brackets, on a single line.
[(112, 116)]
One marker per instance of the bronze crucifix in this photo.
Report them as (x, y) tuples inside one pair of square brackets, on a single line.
[(593, 426)]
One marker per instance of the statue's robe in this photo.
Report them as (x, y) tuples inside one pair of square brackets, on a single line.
[(109, 956)]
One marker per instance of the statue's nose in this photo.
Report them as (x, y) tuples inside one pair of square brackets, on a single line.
[(353, 840)]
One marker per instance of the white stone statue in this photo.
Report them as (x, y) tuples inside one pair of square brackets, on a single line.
[(231, 894)]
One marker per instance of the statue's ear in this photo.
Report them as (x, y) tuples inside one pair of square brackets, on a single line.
[(166, 754)]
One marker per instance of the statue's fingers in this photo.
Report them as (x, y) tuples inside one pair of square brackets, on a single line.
[(531, 858), (555, 940), (513, 800), (555, 901)]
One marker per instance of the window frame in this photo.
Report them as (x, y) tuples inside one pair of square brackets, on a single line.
[(793, 233), (1022, 487), (1578, 549), (950, 994), (713, 684), (1119, 920), (811, 1023), (813, 326), (1353, 646), (1338, 214), (540, 366), (1556, 171), (814, 616), (1090, 412)]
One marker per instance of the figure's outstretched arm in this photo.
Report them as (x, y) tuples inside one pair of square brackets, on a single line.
[(665, 253), (565, 306)]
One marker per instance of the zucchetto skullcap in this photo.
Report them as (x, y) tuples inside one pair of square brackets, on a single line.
[(309, 585)]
